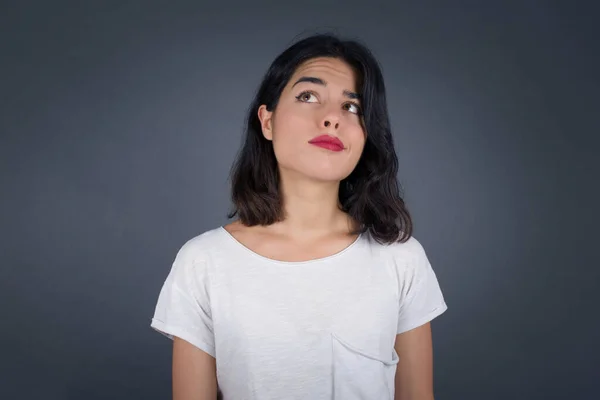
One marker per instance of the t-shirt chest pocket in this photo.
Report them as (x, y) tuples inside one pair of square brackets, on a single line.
[(358, 374), (363, 356)]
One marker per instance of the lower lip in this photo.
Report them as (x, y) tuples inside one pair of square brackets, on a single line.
[(328, 146)]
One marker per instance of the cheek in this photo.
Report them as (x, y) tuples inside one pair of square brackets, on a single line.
[(288, 137), (292, 127), (357, 139)]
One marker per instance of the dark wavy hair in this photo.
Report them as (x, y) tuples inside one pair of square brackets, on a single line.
[(371, 193)]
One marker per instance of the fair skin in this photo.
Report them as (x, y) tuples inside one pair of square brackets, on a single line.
[(314, 226), (194, 372), (414, 372)]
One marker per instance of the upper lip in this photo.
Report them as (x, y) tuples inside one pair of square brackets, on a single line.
[(327, 139)]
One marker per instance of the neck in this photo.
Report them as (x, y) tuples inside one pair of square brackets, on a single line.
[(311, 208)]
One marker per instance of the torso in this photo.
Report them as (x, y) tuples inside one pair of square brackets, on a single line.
[(290, 320)]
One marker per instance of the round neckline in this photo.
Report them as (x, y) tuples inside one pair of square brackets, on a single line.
[(330, 257)]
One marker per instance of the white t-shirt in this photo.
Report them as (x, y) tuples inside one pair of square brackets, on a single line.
[(319, 329)]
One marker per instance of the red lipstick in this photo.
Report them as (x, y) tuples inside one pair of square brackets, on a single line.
[(328, 142)]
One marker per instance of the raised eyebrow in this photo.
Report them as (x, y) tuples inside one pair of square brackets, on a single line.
[(319, 81), (310, 79), (352, 95)]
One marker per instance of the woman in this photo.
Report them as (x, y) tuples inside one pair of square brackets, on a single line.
[(318, 290)]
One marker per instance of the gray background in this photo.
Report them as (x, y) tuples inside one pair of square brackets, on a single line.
[(120, 120)]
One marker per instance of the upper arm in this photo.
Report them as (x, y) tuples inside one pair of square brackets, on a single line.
[(184, 313), (194, 372), (414, 373), (420, 301)]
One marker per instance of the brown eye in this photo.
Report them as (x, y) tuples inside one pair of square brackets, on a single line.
[(306, 97), (353, 108)]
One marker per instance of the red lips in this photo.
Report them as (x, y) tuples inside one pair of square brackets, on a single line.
[(328, 142)]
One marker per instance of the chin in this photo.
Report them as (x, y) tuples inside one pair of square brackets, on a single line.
[(318, 171), (328, 174)]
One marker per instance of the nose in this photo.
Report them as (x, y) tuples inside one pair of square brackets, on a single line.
[(328, 123), (331, 116)]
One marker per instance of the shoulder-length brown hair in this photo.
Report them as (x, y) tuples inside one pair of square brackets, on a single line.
[(370, 194)]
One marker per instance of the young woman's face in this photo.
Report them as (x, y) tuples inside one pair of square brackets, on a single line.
[(317, 108)]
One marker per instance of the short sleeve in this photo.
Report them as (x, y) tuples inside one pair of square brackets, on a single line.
[(421, 298), (183, 306)]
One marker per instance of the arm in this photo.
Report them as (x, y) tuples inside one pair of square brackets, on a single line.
[(414, 373), (194, 372)]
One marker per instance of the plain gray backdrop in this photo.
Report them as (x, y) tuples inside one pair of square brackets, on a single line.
[(120, 120)]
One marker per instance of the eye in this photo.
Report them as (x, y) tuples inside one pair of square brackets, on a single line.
[(353, 108), (306, 97)]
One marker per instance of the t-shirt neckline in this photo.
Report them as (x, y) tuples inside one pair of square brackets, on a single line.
[(330, 257)]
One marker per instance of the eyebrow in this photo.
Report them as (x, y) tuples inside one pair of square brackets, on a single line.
[(319, 81)]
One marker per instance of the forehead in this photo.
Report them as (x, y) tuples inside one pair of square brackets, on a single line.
[(332, 70)]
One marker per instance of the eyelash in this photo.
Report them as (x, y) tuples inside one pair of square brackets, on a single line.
[(359, 112)]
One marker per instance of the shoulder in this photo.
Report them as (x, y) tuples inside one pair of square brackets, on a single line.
[(411, 249), (197, 248), (403, 258)]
